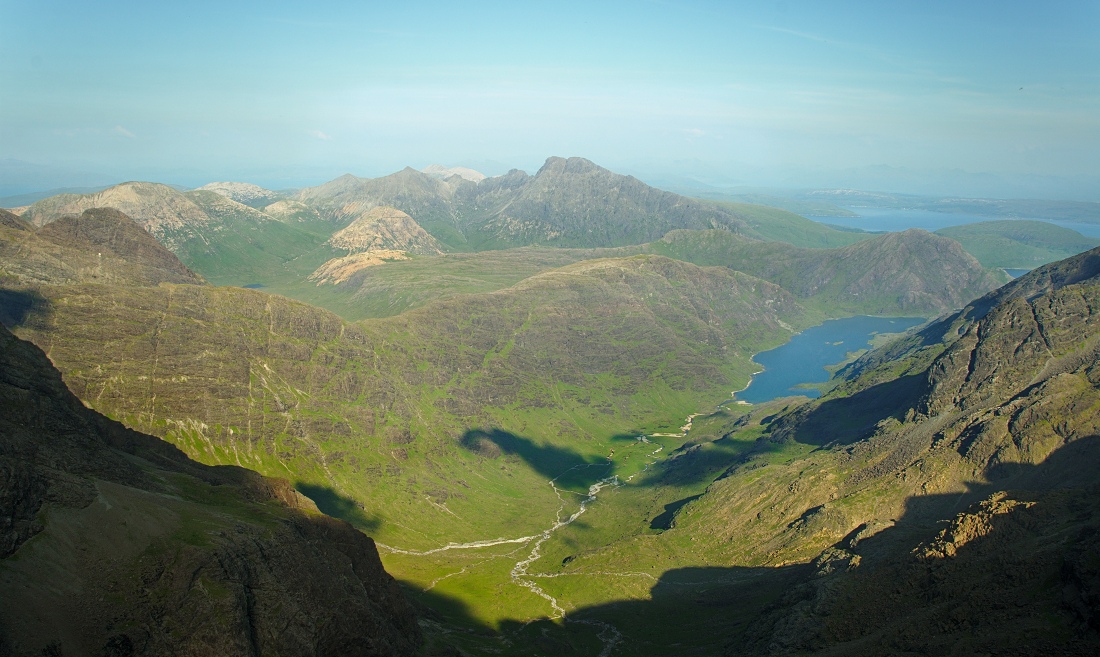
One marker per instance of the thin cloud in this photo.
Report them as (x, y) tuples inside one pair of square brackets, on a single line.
[(119, 130), (694, 132), (318, 134)]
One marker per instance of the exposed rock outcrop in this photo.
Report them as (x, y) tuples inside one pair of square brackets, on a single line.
[(385, 229)]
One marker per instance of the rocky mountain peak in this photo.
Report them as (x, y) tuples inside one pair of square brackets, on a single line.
[(158, 208), (573, 165), (385, 228)]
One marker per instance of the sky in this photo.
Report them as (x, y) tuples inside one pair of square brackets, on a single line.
[(777, 93)]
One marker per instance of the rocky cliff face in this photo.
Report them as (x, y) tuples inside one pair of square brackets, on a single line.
[(13, 221), (114, 542)]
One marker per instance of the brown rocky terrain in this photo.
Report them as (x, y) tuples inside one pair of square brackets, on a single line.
[(100, 246), (338, 270), (13, 221), (113, 542)]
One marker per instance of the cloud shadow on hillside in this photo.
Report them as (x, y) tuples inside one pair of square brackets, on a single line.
[(548, 460)]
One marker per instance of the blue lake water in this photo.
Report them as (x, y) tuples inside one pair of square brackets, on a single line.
[(872, 219), (803, 359)]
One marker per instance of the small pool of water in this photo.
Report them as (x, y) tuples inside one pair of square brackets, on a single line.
[(804, 358), (1016, 273)]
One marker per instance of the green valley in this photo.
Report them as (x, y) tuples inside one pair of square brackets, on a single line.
[(518, 387)]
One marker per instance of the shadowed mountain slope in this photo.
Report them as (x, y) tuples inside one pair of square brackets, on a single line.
[(13, 221), (114, 542), (100, 246)]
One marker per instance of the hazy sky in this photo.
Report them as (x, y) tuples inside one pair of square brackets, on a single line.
[(728, 91)]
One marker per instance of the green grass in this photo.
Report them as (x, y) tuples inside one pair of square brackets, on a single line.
[(1018, 243), (777, 225)]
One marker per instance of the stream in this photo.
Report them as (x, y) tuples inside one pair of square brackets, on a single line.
[(609, 634)]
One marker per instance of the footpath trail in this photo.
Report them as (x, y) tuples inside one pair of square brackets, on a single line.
[(609, 634)]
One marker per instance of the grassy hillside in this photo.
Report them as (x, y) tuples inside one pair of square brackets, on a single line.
[(913, 274), (567, 360), (1018, 243), (777, 225)]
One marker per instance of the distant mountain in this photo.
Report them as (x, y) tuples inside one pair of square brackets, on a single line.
[(297, 213), (567, 203), (913, 273), (1018, 243), (114, 542), (442, 172), (161, 210), (228, 242), (101, 246), (253, 196)]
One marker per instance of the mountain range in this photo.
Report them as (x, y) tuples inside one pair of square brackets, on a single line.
[(507, 425)]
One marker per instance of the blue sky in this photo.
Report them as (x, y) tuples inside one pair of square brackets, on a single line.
[(753, 93)]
